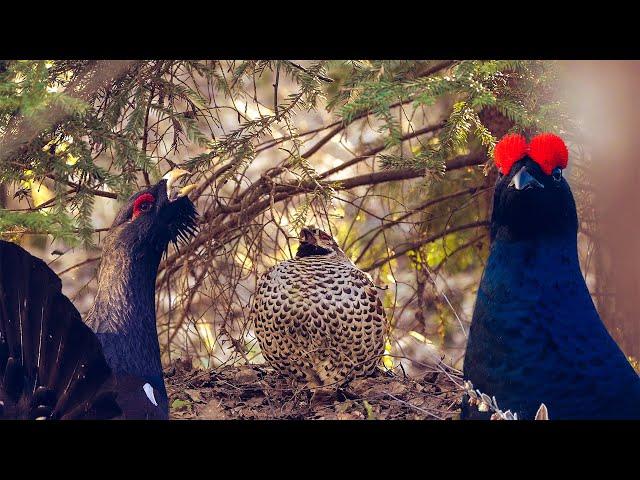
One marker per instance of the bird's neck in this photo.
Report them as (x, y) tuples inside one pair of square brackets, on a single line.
[(123, 315), (309, 250), (525, 270), (312, 253), (550, 244)]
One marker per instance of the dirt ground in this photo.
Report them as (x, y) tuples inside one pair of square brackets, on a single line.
[(257, 392)]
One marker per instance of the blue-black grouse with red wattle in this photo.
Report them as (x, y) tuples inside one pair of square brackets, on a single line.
[(55, 366), (536, 336)]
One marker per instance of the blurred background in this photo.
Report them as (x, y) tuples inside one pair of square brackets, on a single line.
[(392, 157)]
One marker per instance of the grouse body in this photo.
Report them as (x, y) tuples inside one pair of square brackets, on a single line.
[(536, 336), (53, 365), (317, 317)]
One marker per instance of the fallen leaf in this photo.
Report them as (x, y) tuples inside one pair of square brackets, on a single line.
[(246, 375), (370, 414), (178, 404), (213, 411), (396, 388), (194, 395), (255, 401), (360, 385), (343, 407), (357, 415)]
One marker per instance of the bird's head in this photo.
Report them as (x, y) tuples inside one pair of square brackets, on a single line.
[(154, 217), (532, 198), (314, 241)]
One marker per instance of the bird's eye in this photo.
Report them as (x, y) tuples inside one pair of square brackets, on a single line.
[(557, 174), (143, 204)]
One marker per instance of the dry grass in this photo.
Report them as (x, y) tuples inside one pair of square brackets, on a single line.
[(257, 392)]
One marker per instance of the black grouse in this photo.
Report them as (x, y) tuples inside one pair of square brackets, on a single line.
[(54, 366), (536, 336)]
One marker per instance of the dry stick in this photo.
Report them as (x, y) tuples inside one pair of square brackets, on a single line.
[(446, 298), (427, 412), (275, 93), (288, 190), (430, 71), (40, 206), (186, 307), (427, 72), (77, 265), (375, 151), (317, 75), (354, 218), (260, 186), (272, 142), (145, 134), (92, 191), (316, 146), (413, 211), (429, 239), (338, 127), (464, 246)]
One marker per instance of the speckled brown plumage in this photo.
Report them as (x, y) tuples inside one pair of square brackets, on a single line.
[(317, 317)]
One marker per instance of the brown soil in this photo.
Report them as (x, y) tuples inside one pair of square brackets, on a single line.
[(257, 392)]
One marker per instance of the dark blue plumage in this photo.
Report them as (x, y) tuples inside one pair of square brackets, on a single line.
[(123, 315), (536, 336)]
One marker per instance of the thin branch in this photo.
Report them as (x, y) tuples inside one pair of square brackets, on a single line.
[(77, 265), (317, 75), (398, 252), (375, 151)]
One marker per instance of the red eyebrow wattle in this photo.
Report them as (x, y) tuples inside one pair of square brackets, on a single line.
[(144, 198), (547, 150), (508, 151)]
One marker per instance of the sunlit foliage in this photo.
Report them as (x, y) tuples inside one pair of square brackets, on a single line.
[(391, 156)]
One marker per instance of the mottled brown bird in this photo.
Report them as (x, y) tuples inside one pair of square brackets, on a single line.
[(318, 317)]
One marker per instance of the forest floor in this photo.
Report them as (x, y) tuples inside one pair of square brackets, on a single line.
[(257, 392)]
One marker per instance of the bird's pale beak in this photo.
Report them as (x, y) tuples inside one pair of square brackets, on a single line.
[(523, 180), (172, 177)]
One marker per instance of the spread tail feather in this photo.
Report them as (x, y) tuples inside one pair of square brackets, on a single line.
[(51, 364)]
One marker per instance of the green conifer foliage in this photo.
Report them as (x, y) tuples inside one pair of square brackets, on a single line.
[(73, 131)]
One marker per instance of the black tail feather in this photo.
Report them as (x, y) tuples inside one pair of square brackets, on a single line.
[(51, 363)]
